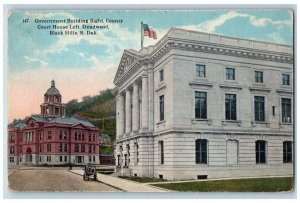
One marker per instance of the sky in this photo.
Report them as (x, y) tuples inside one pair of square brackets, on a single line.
[(83, 65)]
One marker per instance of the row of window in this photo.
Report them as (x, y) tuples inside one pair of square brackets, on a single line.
[(28, 158), (231, 109), (63, 135), (260, 151), (62, 148), (80, 136), (91, 148), (201, 150), (230, 74)]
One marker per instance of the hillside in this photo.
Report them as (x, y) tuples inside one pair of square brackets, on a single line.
[(99, 110)]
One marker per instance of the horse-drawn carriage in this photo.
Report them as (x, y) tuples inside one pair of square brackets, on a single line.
[(89, 172)]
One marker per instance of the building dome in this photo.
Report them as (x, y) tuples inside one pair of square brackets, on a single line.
[(52, 90)]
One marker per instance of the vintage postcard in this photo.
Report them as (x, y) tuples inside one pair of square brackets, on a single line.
[(151, 100)]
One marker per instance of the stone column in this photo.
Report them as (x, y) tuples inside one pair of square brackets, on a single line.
[(120, 116), (145, 103), (128, 111), (151, 96), (135, 108)]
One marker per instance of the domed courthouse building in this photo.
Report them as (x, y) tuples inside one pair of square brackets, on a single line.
[(51, 138), (203, 106)]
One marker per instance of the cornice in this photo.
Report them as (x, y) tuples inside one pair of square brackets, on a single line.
[(131, 62)]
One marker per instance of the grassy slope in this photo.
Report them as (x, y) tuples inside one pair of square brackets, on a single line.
[(240, 185), (94, 109)]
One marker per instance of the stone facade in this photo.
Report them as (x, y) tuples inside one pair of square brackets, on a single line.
[(244, 127), (51, 138)]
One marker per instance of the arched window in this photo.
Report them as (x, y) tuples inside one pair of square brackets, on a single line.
[(201, 151)]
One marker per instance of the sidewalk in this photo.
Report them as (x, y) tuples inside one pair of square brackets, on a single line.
[(125, 185)]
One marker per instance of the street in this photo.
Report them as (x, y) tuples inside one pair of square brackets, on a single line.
[(52, 180)]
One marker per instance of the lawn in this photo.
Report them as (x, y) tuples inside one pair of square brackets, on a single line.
[(142, 179), (239, 185)]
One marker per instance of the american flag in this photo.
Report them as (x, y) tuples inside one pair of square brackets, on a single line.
[(149, 32)]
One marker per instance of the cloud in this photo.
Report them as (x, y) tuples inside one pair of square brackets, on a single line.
[(29, 59), (212, 25), (277, 37)]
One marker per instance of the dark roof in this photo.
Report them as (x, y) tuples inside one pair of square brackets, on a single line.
[(52, 91), (71, 121), (39, 119), (20, 125)]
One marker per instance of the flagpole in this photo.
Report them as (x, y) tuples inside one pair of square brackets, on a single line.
[(142, 35)]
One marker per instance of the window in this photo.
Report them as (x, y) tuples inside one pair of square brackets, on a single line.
[(60, 147), (60, 158), (285, 79), (82, 147), (40, 135), (40, 159), (161, 147), (230, 74), (136, 146), (48, 147), (273, 110), (118, 161), (48, 158), (260, 147), (125, 157), (128, 152), (259, 108), (230, 107), (76, 148), (90, 137), (12, 138), (161, 108), (12, 150), (65, 135), (94, 148), (41, 149), (94, 137), (90, 158), (259, 77), (90, 148), (49, 135), (287, 152), (66, 158), (201, 151), (60, 135), (286, 110), (75, 135), (200, 70), (56, 111), (11, 159), (65, 147), (200, 105), (94, 158), (161, 75), (82, 137)]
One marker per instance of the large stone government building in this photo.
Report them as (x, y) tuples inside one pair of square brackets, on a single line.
[(51, 138), (198, 105)]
